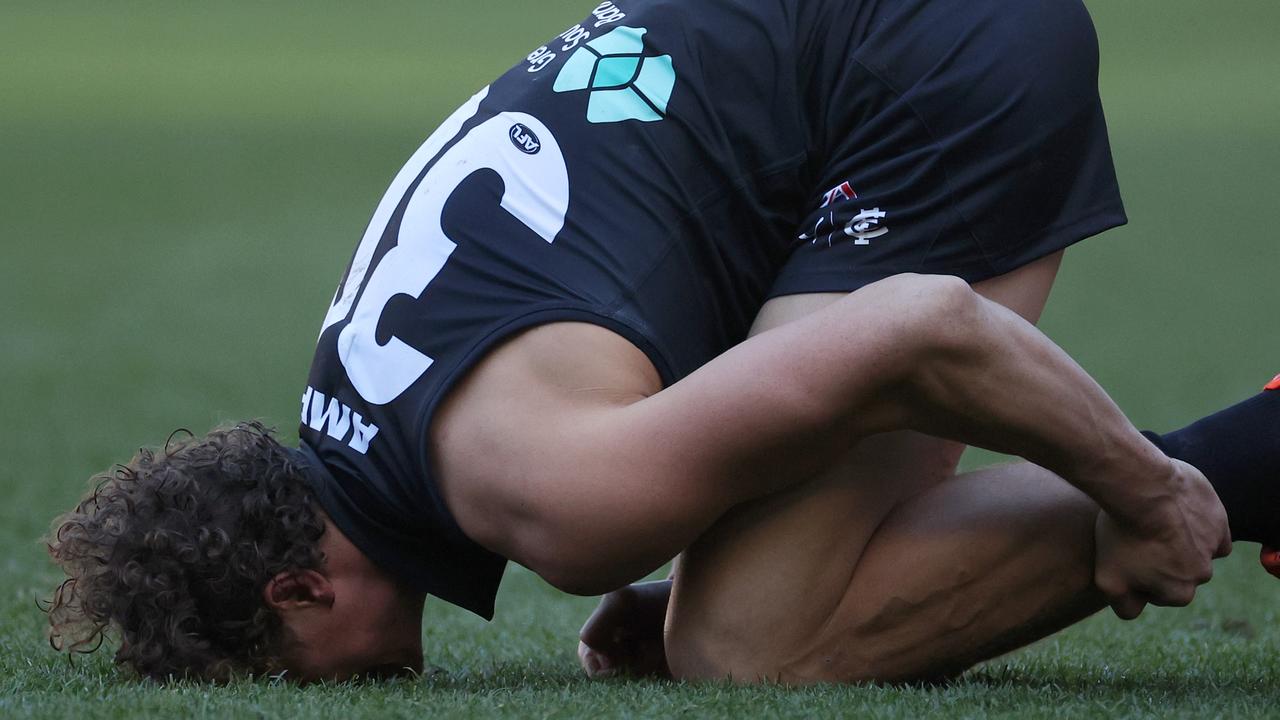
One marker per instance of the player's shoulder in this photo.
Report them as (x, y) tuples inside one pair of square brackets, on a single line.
[(523, 411)]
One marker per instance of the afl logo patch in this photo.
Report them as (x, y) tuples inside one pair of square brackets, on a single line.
[(525, 140)]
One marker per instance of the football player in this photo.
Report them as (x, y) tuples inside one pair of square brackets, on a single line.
[(734, 279)]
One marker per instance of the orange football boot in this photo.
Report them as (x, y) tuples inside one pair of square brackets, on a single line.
[(1270, 559)]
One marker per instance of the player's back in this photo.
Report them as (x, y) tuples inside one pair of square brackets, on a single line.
[(641, 172), (658, 170), (648, 178)]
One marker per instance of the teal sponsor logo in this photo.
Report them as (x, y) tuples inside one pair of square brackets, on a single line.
[(624, 83)]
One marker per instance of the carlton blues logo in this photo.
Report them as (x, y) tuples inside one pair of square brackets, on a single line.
[(525, 140), (838, 221)]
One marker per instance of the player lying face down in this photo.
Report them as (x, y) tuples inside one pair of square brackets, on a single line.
[(539, 352)]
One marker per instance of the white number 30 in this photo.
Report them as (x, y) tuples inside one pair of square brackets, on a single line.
[(536, 194)]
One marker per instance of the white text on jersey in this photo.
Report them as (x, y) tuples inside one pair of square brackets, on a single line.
[(337, 420)]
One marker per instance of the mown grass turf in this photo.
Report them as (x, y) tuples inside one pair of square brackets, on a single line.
[(182, 183)]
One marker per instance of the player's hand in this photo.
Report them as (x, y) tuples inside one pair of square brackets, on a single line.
[(624, 634), (1162, 560)]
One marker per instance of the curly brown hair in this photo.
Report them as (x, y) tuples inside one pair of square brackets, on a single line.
[(172, 552)]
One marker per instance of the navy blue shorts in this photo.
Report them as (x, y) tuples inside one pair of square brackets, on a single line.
[(960, 137)]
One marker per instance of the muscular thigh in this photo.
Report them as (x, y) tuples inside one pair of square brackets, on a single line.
[(769, 574)]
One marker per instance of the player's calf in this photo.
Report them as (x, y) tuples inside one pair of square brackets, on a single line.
[(970, 569)]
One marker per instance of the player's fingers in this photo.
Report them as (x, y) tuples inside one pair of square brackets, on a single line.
[(1204, 576), (1112, 587), (599, 629), (1179, 595), (594, 663), (1224, 545), (586, 658), (595, 632), (1128, 607)]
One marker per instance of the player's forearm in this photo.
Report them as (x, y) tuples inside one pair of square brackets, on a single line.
[(991, 379), (920, 352)]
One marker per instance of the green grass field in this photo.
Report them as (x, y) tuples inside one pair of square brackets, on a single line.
[(182, 184)]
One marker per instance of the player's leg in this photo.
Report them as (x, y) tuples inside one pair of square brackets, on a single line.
[(1004, 556), (968, 570), (1001, 557), (756, 590), (957, 573)]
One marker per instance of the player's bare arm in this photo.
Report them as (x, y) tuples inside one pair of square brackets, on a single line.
[(615, 479)]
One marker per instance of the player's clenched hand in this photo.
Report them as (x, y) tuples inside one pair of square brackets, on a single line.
[(1164, 559), (624, 634)]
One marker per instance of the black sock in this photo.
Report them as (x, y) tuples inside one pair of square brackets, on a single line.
[(1238, 449)]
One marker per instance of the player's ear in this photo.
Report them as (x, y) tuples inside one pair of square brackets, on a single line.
[(298, 589)]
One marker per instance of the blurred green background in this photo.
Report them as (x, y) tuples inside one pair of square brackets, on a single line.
[(182, 183)]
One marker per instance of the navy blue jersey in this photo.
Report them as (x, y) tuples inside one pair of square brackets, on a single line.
[(661, 169)]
